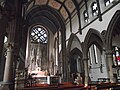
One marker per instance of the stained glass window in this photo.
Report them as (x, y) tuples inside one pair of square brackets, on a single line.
[(116, 55), (39, 35)]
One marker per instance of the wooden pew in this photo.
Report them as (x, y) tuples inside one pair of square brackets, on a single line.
[(107, 86)]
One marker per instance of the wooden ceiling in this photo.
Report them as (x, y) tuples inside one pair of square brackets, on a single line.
[(67, 8)]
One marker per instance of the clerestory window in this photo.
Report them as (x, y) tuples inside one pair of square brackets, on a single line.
[(94, 8), (85, 14), (107, 2), (39, 35)]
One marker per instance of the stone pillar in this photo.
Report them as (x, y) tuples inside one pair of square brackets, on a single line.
[(64, 59), (86, 71), (109, 64), (2, 58), (8, 72), (3, 25)]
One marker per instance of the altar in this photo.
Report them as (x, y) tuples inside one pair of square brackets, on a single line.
[(42, 77)]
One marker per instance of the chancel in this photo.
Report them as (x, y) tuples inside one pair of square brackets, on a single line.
[(59, 44)]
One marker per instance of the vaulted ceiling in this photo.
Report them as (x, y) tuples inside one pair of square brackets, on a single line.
[(37, 13), (67, 8)]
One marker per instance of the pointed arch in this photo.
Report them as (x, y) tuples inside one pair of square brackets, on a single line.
[(38, 15), (93, 37), (72, 37), (75, 61), (73, 52), (110, 30), (48, 12), (76, 51)]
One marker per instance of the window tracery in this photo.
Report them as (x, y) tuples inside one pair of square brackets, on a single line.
[(39, 35)]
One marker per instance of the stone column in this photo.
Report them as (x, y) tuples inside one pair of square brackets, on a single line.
[(8, 72), (64, 59), (3, 25), (2, 58), (86, 72), (109, 64)]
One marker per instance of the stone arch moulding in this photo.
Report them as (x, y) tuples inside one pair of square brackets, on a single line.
[(57, 22), (93, 37), (56, 18), (76, 51), (46, 9), (72, 37), (75, 61), (110, 29)]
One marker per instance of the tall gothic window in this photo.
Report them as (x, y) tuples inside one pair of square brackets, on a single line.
[(116, 56), (107, 2), (95, 53), (90, 56), (94, 8), (85, 14), (39, 35)]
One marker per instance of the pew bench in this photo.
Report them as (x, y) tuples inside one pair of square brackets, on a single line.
[(107, 86), (103, 80)]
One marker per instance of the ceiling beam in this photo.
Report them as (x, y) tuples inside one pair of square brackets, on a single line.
[(69, 15)]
